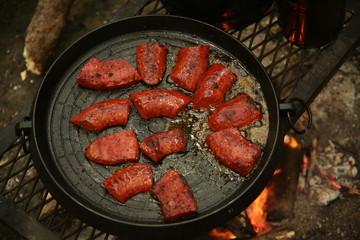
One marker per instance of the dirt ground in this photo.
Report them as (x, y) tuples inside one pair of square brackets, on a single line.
[(336, 110), (337, 118)]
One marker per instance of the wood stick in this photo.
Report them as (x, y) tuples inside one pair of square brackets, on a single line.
[(43, 33), (283, 185)]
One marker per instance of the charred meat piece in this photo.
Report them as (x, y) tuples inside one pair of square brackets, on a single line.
[(112, 74), (114, 148), (175, 196), (129, 181), (212, 89), (233, 150), (102, 115), (158, 145), (159, 103), (239, 112), (151, 62), (191, 64)]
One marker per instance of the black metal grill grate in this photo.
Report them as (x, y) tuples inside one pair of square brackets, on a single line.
[(285, 63), (20, 184)]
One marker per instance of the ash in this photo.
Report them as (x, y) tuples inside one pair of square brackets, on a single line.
[(328, 174)]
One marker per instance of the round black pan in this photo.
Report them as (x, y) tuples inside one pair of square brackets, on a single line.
[(58, 146)]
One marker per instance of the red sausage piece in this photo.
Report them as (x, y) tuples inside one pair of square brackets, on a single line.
[(112, 74), (233, 150), (175, 195), (158, 145), (191, 64), (114, 148), (151, 62), (102, 115), (239, 112), (213, 87), (159, 103), (129, 181)]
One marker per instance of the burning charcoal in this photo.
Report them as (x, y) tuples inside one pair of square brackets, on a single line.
[(330, 173)]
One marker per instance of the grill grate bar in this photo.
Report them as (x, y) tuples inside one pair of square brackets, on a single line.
[(268, 37), (51, 216), (23, 198), (40, 206), (76, 232)]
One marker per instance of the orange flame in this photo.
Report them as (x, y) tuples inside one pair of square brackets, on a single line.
[(220, 233), (277, 171), (257, 214), (291, 142)]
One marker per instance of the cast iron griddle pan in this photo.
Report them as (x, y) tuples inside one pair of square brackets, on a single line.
[(58, 146)]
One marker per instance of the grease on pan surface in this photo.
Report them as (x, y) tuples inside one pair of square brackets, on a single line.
[(210, 181)]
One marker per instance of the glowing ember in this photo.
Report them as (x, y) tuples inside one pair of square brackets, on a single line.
[(226, 26), (277, 171), (327, 174), (306, 163), (291, 141), (220, 233), (335, 185), (257, 214)]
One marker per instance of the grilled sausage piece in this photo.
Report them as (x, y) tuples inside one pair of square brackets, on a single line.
[(104, 75), (239, 112), (175, 196), (129, 181), (233, 150), (191, 64), (104, 114), (158, 145), (114, 148), (212, 89), (151, 62), (159, 103)]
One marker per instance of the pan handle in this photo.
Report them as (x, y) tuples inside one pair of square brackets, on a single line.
[(17, 128), (289, 108)]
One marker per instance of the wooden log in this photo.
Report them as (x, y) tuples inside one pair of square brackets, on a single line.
[(283, 185), (43, 33)]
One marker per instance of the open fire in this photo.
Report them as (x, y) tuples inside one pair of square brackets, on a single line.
[(220, 233), (323, 176), (263, 211), (258, 212)]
